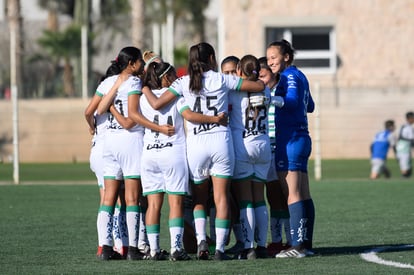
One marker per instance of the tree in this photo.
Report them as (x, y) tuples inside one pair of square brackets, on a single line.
[(64, 46)]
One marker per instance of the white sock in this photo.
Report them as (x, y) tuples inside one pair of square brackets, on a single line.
[(132, 217), (247, 221), (176, 226), (122, 223), (104, 225), (116, 230), (262, 224), (142, 235), (222, 231), (200, 225)]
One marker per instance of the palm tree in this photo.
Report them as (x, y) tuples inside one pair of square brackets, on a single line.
[(64, 45)]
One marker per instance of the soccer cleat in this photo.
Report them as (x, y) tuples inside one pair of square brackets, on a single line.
[(261, 252), (220, 256), (309, 252), (109, 254), (145, 251), (134, 254), (275, 248), (236, 248), (292, 253), (247, 254), (202, 251), (179, 255), (158, 256)]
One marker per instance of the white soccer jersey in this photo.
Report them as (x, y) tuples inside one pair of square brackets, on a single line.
[(131, 86), (167, 115), (164, 161), (211, 100), (101, 121)]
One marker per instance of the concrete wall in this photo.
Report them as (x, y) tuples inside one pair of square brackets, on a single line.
[(373, 37), (55, 130)]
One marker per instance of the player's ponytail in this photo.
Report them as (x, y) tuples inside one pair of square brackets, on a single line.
[(201, 59)]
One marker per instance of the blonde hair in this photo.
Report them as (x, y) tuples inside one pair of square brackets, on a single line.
[(149, 57)]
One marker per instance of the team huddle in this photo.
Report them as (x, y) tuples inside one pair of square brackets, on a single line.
[(219, 144)]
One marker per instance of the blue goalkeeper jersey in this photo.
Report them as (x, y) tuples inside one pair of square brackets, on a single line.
[(293, 86), (380, 145)]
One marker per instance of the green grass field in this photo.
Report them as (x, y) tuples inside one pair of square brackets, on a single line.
[(51, 228)]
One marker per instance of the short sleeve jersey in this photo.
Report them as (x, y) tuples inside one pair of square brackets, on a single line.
[(211, 100), (101, 121), (382, 141), (167, 115), (130, 86)]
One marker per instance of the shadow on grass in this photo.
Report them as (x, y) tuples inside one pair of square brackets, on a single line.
[(349, 250)]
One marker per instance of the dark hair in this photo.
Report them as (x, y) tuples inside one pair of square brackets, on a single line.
[(230, 58), (285, 48), (250, 67), (409, 115), (202, 58), (263, 63), (126, 56), (156, 71), (388, 124)]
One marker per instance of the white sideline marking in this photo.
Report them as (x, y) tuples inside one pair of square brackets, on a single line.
[(371, 256)]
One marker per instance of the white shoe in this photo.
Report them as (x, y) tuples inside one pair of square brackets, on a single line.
[(291, 253)]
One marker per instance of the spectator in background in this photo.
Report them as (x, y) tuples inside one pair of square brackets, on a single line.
[(383, 140), (404, 145)]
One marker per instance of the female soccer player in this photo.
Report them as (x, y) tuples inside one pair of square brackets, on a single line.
[(279, 212), (209, 145), (293, 145), (121, 148), (252, 161), (97, 128)]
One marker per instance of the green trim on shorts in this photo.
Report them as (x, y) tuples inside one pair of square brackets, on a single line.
[(133, 177), (280, 214), (242, 179), (199, 214), (176, 222), (177, 193), (109, 177), (197, 182), (132, 208), (245, 204), (221, 176), (153, 192), (220, 223), (99, 93), (107, 208), (259, 204), (260, 180), (153, 228)]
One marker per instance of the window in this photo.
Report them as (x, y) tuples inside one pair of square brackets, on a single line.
[(315, 46)]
